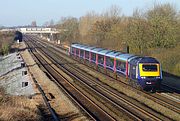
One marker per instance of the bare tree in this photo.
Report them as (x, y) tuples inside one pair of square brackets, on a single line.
[(163, 22), (85, 24), (70, 26)]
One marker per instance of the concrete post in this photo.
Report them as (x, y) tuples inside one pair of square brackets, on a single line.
[(51, 36)]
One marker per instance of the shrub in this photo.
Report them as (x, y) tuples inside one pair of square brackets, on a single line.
[(5, 49)]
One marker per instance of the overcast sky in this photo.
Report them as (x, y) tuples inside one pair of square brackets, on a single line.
[(23, 12)]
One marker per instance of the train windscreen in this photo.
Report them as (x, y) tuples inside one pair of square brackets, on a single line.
[(149, 67)]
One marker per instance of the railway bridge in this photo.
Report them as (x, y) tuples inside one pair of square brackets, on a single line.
[(49, 33), (38, 30)]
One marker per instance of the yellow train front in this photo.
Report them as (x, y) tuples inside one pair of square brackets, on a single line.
[(146, 71)]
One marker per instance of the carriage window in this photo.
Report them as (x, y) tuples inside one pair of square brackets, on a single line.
[(73, 50), (100, 59), (86, 54), (149, 67), (121, 66), (93, 57), (81, 53), (109, 62), (77, 51)]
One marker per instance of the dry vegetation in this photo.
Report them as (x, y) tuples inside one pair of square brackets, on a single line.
[(156, 30), (6, 40), (18, 108), (169, 58)]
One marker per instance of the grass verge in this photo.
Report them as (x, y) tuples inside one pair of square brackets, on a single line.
[(18, 108)]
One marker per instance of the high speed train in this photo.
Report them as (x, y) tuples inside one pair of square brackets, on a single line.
[(144, 72)]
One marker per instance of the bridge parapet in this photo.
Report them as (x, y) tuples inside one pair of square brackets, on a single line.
[(38, 30)]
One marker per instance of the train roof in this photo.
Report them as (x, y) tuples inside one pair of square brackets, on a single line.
[(103, 52), (89, 48), (138, 59), (76, 45), (83, 47), (113, 54), (124, 57), (148, 60), (96, 50), (79, 46), (116, 54), (134, 58)]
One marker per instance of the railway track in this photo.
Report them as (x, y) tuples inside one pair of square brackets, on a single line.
[(90, 108), (46, 109), (114, 97), (52, 115), (157, 97), (170, 89)]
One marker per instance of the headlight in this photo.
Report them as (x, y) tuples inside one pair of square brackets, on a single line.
[(143, 77), (158, 77)]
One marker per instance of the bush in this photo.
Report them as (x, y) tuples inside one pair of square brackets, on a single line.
[(176, 70), (5, 48), (6, 39)]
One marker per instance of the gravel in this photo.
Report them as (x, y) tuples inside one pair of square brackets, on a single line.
[(65, 109)]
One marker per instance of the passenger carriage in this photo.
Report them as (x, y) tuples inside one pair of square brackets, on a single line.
[(143, 72)]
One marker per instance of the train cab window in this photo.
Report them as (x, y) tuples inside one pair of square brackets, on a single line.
[(149, 67), (100, 59), (120, 66), (93, 57), (86, 54), (109, 62), (81, 53)]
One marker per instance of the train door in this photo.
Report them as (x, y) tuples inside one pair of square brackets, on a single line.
[(132, 72)]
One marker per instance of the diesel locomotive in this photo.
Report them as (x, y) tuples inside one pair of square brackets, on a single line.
[(142, 72)]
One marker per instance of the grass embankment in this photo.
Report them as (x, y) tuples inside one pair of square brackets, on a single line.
[(169, 58), (18, 108)]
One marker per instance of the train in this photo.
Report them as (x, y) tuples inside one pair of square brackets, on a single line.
[(18, 36), (141, 72)]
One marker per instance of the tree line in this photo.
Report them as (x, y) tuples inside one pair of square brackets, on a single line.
[(157, 27)]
